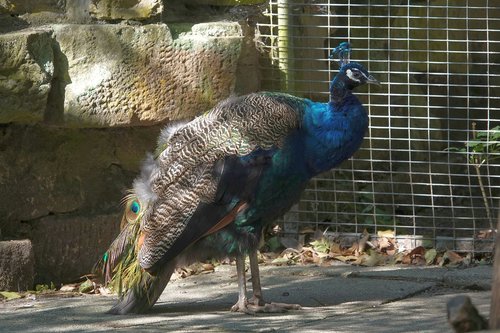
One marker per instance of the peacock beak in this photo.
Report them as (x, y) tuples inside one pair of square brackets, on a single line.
[(372, 80)]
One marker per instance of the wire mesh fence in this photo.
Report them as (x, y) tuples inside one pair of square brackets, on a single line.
[(429, 168)]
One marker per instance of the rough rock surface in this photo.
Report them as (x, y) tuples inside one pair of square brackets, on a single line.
[(46, 170), (16, 265), (26, 70), (66, 185), (125, 9), (30, 6), (112, 75), (57, 258), (123, 75)]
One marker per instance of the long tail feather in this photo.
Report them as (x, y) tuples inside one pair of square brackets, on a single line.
[(140, 298), (138, 290), (120, 254)]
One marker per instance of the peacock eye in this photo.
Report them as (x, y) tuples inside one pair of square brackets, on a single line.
[(135, 207), (354, 75)]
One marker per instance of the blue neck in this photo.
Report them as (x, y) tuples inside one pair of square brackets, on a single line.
[(334, 130), (339, 89)]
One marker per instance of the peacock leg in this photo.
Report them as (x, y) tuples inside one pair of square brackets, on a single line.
[(256, 299), (241, 305), (257, 303)]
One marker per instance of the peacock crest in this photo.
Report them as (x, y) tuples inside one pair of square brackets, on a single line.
[(343, 52)]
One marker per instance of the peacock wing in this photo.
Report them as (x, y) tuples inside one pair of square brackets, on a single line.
[(190, 186)]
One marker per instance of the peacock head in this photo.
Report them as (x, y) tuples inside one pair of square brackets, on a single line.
[(352, 75)]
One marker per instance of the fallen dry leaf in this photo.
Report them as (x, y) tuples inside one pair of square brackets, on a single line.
[(370, 259), (362, 242), (419, 261), (418, 251), (451, 258), (69, 287), (345, 258), (208, 267), (335, 249), (385, 244), (280, 261), (391, 252), (385, 233)]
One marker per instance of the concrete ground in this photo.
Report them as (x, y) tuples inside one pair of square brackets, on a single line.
[(338, 298)]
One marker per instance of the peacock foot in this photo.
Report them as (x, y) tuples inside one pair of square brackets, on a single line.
[(241, 306), (255, 305)]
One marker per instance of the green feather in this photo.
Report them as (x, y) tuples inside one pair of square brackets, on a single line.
[(120, 260)]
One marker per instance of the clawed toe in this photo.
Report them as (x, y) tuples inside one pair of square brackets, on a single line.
[(242, 307), (256, 303), (251, 308)]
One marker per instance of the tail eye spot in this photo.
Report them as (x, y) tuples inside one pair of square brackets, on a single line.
[(135, 207)]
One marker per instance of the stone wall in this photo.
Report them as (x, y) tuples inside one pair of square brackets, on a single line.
[(109, 75), (85, 87)]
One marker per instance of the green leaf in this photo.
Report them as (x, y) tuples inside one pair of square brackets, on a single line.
[(9, 295), (455, 149), (280, 261), (273, 244), (430, 256), (86, 286), (495, 136), (42, 288), (481, 134), (476, 146), (321, 245)]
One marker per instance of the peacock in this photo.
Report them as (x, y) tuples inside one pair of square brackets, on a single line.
[(214, 183)]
